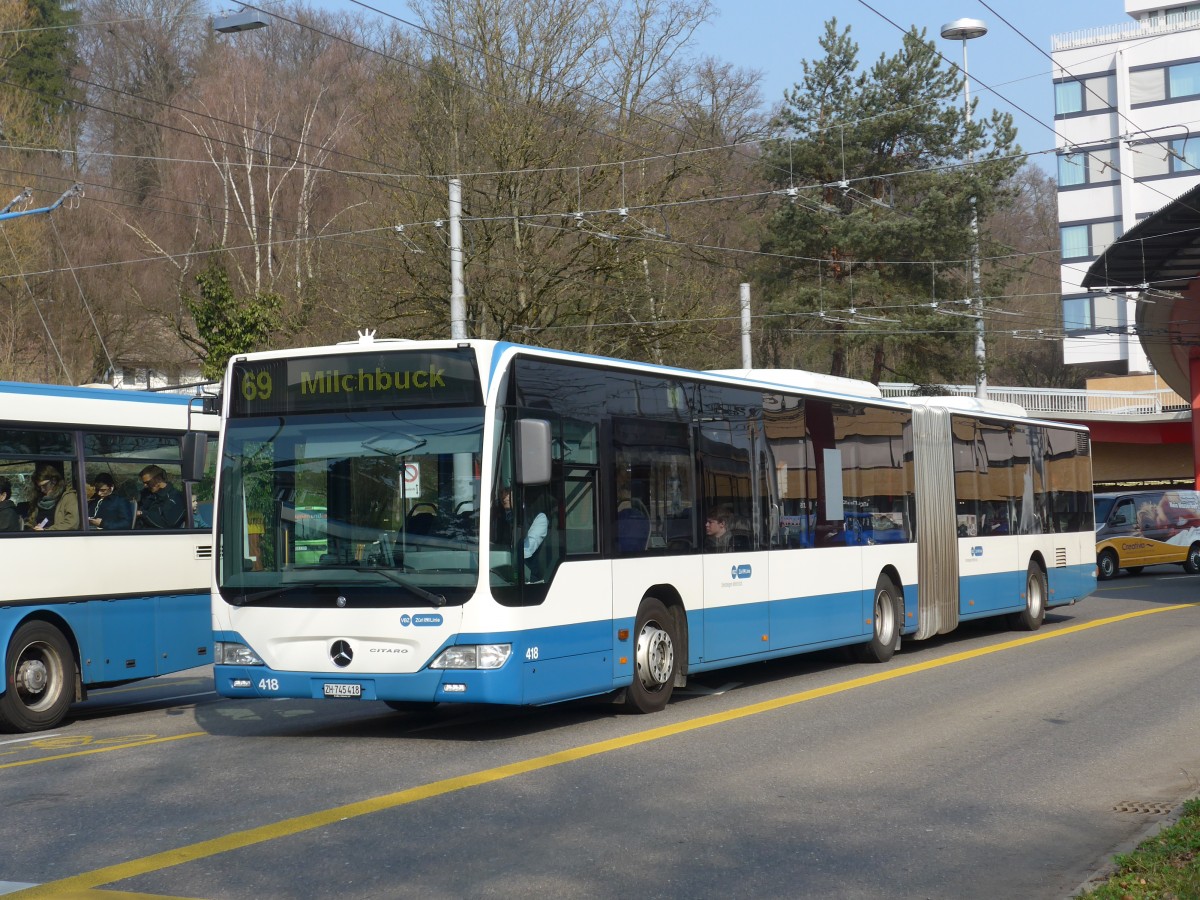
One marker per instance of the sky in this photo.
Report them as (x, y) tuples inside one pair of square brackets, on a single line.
[(773, 36)]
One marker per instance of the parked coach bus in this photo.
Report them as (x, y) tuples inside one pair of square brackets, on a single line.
[(471, 521), (96, 595), (1136, 529)]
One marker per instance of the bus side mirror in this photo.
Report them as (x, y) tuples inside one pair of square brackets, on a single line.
[(533, 451), (195, 454)]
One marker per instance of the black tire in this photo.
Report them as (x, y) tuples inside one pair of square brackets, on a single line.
[(655, 662), (1107, 564), (39, 674), (885, 614), (1191, 565), (1134, 570), (1037, 590), (411, 706)]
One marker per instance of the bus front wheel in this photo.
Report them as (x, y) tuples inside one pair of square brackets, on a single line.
[(655, 662), (1191, 565), (38, 672), (1036, 591), (1106, 565), (886, 622)]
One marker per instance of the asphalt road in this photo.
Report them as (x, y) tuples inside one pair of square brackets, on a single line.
[(987, 763)]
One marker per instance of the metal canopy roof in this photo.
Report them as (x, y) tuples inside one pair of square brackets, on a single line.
[(1159, 259), (1161, 251)]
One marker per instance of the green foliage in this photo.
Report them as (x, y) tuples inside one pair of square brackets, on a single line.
[(226, 325), (878, 223), (47, 57), (1166, 865)]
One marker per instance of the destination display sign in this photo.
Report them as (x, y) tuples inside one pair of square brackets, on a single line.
[(355, 381)]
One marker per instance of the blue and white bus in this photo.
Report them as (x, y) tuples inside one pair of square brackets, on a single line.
[(88, 602), (475, 521)]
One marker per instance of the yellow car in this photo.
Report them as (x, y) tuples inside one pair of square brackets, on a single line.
[(1147, 528)]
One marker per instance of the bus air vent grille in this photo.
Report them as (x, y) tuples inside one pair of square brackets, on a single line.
[(204, 552), (1060, 557)]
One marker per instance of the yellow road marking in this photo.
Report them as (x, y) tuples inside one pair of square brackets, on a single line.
[(298, 824), (106, 749)]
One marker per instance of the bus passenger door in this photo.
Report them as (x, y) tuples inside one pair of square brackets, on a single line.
[(736, 620), (736, 612)]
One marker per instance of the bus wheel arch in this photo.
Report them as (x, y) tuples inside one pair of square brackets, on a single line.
[(41, 675), (887, 617), (1191, 564), (657, 647), (1107, 564), (1037, 594)]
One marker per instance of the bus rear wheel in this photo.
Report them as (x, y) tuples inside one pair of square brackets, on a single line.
[(654, 660), (1106, 565), (1191, 565), (886, 620), (1036, 591), (37, 678)]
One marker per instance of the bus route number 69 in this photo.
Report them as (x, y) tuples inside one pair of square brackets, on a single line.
[(257, 386)]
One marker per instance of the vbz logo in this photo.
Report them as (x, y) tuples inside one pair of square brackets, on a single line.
[(742, 571), (977, 551)]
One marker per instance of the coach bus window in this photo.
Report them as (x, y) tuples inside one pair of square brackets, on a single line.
[(655, 498), (730, 425), (795, 477), (876, 473), (122, 456), (1068, 481)]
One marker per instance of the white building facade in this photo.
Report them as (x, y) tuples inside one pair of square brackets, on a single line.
[(1127, 114)]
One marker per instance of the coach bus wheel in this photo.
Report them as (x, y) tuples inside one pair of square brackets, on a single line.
[(37, 678), (654, 659), (1191, 565), (1106, 565), (886, 624), (1034, 613)]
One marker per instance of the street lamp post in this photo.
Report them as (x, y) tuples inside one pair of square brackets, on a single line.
[(965, 30)]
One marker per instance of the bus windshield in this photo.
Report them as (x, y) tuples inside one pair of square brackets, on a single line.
[(378, 507)]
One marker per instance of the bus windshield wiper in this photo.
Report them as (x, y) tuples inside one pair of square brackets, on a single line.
[(391, 575), (277, 591)]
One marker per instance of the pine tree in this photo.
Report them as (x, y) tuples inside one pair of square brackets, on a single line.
[(46, 59), (875, 168)]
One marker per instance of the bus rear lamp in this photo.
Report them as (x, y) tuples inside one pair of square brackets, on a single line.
[(228, 653), (473, 656)]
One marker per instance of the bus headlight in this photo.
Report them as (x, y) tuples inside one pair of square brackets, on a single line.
[(227, 653), (473, 656)]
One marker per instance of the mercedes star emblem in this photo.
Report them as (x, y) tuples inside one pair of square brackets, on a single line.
[(341, 654)]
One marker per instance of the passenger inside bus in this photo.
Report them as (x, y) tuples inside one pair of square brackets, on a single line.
[(56, 506), (10, 517), (108, 511), (539, 526)]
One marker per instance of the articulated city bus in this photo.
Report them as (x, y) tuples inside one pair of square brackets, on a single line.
[(96, 597), (477, 521)]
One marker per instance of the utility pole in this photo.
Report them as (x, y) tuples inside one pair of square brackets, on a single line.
[(458, 294), (744, 292)]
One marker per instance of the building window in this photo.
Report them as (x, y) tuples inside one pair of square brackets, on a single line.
[(1077, 313), (1185, 155), (1072, 169), (1075, 243), (1092, 167), (1068, 98), (1184, 80), (1085, 95), (1089, 240), (1177, 82)]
